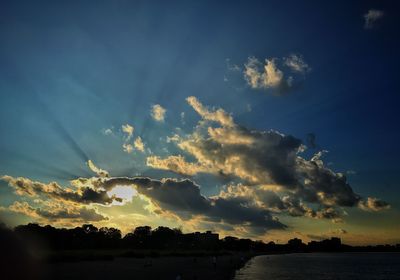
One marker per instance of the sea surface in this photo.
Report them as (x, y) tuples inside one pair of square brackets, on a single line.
[(325, 266)]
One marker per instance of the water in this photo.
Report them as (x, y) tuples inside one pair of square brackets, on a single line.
[(335, 266)]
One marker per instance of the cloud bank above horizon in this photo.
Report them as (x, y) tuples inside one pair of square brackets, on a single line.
[(266, 173)]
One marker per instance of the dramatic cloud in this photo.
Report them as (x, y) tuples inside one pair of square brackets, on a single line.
[(158, 113), (83, 195), (371, 17), (269, 177), (168, 197), (261, 158), (57, 213), (183, 198), (296, 63)]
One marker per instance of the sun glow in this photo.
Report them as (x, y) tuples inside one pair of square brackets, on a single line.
[(124, 192)]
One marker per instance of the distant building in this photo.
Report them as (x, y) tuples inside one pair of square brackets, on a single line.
[(333, 244), (204, 240)]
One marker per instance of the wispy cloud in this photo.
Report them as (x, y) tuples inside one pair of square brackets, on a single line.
[(107, 131), (100, 172), (371, 17), (296, 63)]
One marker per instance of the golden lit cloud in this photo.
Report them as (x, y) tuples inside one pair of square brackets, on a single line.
[(138, 143), (95, 169), (158, 112), (128, 130)]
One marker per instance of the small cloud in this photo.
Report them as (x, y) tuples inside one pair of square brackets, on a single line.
[(248, 107), (107, 131), (158, 113), (183, 117), (128, 129), (232, 67), (371, 17), (128, 148), (269, 75), (351, 172), (139, 145), (296, 63), (340, 231), (100, 172), (373, 204)]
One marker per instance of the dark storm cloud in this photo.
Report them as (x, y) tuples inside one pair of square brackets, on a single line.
[(183, 198)]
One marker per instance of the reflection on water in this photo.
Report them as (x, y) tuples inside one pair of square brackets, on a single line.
[(335, 266)]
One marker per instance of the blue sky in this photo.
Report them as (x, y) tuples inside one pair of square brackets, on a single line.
[(70, 70)]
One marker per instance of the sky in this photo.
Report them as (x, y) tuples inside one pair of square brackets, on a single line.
[(259, 119)]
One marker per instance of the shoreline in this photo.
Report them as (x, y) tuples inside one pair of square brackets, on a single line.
[(243, 264)]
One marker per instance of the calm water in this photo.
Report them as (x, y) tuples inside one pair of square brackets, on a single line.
[(341, 266)]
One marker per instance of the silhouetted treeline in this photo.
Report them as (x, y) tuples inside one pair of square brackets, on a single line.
[(163, 238)]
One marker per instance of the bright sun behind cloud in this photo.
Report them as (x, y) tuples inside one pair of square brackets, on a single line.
[(124, 192)]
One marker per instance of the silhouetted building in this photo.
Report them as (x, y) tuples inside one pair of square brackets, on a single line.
[(296, 244), (205, 240), (333, 244)]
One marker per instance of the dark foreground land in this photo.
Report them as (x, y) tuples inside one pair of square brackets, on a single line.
[(149, 268), (37, 252), (88, 265)]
